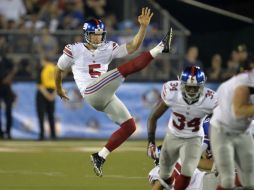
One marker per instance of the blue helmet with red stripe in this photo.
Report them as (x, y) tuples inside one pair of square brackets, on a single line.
[(97, 27), (192, 83)]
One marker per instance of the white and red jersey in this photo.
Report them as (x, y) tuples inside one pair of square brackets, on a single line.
[(87, 65), (224, 112), (186, 120), (196, 182)]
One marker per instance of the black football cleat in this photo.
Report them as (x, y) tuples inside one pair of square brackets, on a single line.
[(166, 41), (97, 162)]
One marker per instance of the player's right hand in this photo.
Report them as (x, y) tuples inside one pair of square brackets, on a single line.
[(145, 17), (151, 150), (61, 92)]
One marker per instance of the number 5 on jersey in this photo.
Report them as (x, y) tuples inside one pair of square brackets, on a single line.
[(93, 73)]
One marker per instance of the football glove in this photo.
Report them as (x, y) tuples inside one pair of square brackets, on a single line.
[(151, 150)]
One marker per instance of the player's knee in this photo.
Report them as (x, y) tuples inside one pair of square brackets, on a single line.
[(129, 126), (227, 182), (188, 169)]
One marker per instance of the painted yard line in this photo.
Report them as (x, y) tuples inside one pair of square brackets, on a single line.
[(23, 172), (65, 144), (60, 174), (121, 149), (68, 149), (118, 177), (5, 149)]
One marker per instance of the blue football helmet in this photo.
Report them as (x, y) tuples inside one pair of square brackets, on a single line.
[(94, 26), (192, 83)]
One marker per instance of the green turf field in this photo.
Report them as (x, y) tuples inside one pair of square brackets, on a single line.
[(65, 165)]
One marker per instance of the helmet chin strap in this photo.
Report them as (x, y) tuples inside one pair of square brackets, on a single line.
[(190, 100)]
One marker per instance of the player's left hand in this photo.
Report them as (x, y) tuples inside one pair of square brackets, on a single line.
[(145, 17), (151, 150), (61, 92)]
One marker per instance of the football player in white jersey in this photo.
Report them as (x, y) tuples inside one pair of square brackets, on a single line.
[(190, 103), (89, 63), (207, 179), (231, 139), (200, 180)]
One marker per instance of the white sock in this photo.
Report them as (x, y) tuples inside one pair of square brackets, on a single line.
[(157, 50), (104, 152)]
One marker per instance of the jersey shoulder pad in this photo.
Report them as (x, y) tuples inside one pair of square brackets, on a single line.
[(211, 97), (68, 50), (170, 89), (209, 93), (112, 45)]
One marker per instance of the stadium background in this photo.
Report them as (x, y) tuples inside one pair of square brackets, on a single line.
[(45, 27), (65, 164)]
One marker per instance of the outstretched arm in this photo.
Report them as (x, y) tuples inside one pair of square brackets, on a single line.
[(58, 80), (144, 20), (64, 62), (156, 113)]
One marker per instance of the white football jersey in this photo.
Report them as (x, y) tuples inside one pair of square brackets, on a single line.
[(252, 127), (196, 182), (186, 120), (87, 65), (223, 113)]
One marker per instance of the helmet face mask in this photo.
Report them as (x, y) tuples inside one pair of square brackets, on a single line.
[(92, 30), (192, 83)]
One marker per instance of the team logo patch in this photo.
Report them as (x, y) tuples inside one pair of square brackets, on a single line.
[(85, 26)]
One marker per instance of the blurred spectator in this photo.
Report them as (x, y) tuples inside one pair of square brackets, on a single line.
[(245, 58), (3, 45), (95, 8), (7, 72), (11, 25), (154, 37), (50, 14), (45, 97), (12, 9), (215, 71), (34, 6), (73, 15), (46, 44), (163, 71), (111, 23), (78, 38), (66, 23), (34, 23), (21, 42), (232, 66), (191, 58), (24, 69), (129, 28), (2, 22)]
